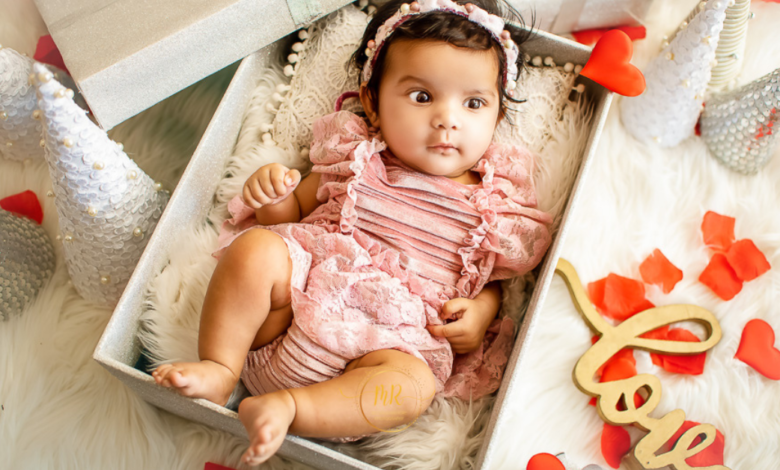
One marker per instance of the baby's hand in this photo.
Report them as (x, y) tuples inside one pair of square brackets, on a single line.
[(271, 184), (466, 333)]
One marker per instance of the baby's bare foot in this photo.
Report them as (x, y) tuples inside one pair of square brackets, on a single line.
[(266, 419), (204, 379)]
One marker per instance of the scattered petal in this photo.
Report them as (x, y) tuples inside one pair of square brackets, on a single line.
[(618, 297), (683, 364), (747, 260), (214, 466), (615, 444), (721, 278), (545, 461), (712, 455), (756, 349), (657, 269), (718, 231)]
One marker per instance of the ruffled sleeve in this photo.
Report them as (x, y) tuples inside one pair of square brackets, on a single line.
[(341, 150), (512, 227)]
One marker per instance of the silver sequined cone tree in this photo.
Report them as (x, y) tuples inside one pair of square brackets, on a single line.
[(666, 113), (26, 262), (20, 126), (107, 206), (741, 127)]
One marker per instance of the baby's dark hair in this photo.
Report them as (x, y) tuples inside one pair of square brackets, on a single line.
[(450, 28)]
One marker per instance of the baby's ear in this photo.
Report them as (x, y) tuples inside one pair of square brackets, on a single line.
[(368, 105)]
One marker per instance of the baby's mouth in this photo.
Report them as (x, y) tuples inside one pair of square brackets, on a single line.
[(442, 146)]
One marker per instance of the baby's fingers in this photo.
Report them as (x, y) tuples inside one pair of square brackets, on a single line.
[(253, 196), (277, 178), (293, 178)]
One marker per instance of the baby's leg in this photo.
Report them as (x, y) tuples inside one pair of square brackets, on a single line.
[(247, 305), (377, 392)]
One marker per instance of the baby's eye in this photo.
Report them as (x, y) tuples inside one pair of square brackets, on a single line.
[(420, 97), (475, 103)]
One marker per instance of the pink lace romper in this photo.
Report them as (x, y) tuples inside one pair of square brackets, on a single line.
[(375, 263)]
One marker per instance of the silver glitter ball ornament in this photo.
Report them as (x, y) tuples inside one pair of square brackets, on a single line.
[(20, 130), (740, 127), (99, 209), (26, 262), (667, 111)]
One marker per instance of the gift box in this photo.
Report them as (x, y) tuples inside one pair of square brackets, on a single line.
[(119, 349), (126, 55), (565, 16)]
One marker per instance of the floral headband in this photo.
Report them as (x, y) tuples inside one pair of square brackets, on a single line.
[(492, 23)]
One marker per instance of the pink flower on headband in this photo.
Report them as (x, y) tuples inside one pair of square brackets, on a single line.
[(490, 22)]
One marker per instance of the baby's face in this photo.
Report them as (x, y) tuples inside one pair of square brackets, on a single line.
[(438, 105)]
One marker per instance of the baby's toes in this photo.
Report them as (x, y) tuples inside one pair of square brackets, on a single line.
[(161, 373), (259, 447)]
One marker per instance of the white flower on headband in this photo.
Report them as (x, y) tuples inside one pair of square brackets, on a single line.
[(492, 23)]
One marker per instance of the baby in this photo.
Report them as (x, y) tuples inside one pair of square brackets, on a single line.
[(342, 303)]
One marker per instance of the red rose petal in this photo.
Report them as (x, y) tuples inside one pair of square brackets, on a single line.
[(596, 293), (615, 444), (624, 297), (718, 231), (690, 364), (747, 260), (25, 203), (756, 349), (657, 269), (721, 278), (215, 466), (618, 297), (545, 461), (659, 333), (618, 370), (712, 455)]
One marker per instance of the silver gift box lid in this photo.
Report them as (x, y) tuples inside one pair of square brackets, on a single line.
[(127, 55), (565, 16)]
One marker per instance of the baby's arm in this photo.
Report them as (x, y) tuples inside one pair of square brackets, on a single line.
[(474, 317), (269, 189)]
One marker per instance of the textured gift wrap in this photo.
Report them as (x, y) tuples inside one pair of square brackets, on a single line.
[(119, 347), (127, 55)]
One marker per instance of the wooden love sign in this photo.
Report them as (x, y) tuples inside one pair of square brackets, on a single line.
[(615, 402)]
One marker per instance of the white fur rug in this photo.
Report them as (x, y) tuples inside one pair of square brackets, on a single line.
[(60, 409)]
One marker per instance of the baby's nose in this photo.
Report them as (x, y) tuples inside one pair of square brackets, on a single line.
[(446, 117)]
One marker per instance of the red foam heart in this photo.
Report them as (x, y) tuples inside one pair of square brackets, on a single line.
[(590, 36), (25, 203), (615, 444), (545, 462), (756, 349), (609, 65), (46, 51)]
